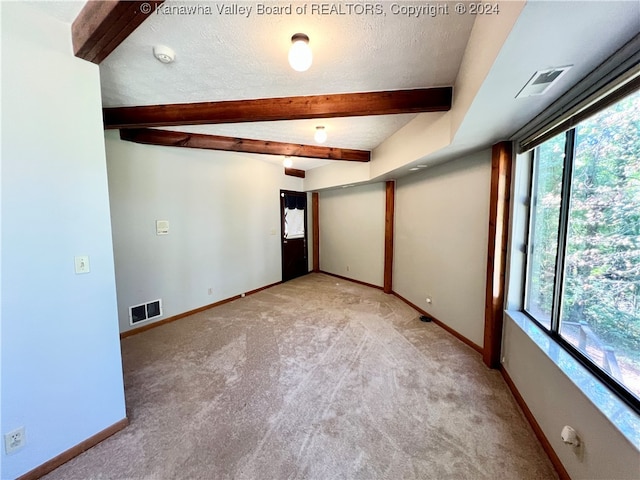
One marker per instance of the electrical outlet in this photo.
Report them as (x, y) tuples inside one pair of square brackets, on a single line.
[(429, 300), (348, 268), (14, 440), (210, 291)]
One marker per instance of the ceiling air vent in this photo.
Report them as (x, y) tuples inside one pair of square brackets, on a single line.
[(542, 80)]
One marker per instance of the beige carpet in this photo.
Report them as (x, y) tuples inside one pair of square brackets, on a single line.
[(317, 378)]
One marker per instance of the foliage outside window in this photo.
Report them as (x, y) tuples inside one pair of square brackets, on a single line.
[(583, 267)]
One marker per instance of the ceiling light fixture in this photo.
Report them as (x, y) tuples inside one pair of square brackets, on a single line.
[(300, 56), (164, 54), (320, 135), (287, 162)]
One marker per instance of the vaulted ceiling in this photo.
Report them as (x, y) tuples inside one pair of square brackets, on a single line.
[(224, 54)]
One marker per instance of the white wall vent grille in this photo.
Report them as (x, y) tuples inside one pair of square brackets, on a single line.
[(542, 80), (145, 311)]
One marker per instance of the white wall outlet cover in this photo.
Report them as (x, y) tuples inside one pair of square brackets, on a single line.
[(82, 264), (14, 440), (162, 227), (570, 436)]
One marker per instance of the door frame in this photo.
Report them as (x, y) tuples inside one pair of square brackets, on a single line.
[(306, 234)]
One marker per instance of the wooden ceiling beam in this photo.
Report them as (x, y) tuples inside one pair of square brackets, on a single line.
[(103, 25), (287, 108), (294, 172), (169, 138)]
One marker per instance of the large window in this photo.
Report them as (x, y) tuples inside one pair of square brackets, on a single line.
[(583, 261)]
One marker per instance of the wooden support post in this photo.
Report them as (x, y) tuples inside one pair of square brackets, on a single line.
[(315, 209), (388, 236), (501, 161)]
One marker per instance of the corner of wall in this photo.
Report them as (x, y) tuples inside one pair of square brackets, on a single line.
[(54, 180)]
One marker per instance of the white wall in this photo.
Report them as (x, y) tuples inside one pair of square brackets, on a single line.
[(61, 364), (555, 401), (422, 136), (440, 245), (224, 214), (352, 232)]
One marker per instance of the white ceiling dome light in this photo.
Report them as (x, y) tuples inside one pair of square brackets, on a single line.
[(321, 134), (300, 56)]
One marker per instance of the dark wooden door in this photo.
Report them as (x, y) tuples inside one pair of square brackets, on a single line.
[(293, 220)]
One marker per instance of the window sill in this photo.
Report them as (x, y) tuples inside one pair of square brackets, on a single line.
[(617, 411)]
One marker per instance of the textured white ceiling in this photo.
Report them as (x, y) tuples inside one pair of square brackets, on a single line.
[(230, 57), (360, 133), (65, 11), (298, 162), (225, 57)]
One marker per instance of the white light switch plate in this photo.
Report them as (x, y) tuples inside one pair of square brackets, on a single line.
[(162, 227), (82, 264)]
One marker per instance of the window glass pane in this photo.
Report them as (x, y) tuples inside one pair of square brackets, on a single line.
[(293, 223), (543, 236), (600, 312)]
